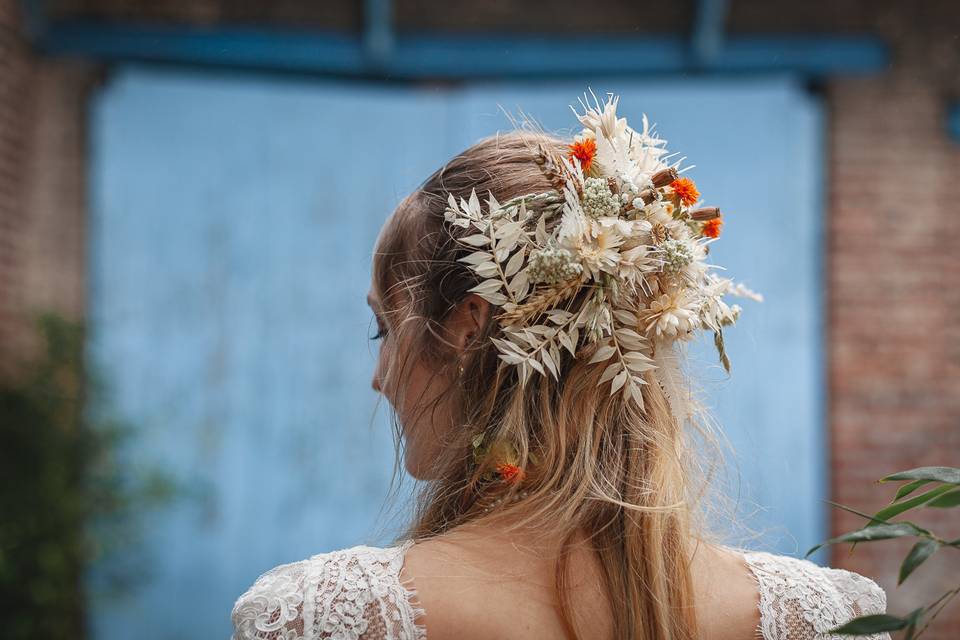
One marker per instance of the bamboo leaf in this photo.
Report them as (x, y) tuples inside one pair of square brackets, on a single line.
[(866, 625), (863, 515), (918, 554), (950, 475), (909, 488), (897, 508), (874, 532), (947, 501)]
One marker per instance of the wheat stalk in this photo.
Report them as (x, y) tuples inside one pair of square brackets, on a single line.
[(554, 170), (540, 303)]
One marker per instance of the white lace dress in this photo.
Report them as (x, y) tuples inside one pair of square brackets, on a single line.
[(357, 594)]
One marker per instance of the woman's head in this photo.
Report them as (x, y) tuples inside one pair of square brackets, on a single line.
[(589, 461), (436, 359)]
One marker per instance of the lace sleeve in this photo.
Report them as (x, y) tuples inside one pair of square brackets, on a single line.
[(353, 594), (801, 601)]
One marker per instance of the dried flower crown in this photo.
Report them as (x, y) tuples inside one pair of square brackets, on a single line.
[(608, 265)]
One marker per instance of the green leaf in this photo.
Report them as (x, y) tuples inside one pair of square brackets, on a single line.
[(950, 475), (909, 488), (865, 625), (863, 515), (912, 621), (918, 554), (897, 508), (875, 532), (946, 501)]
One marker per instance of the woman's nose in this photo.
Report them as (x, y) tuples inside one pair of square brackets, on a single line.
[(375, 383)]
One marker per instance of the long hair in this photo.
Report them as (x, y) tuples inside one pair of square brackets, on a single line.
[(593, 463)]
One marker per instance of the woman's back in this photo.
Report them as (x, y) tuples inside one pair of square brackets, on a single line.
[(533, 353), (481, 584)]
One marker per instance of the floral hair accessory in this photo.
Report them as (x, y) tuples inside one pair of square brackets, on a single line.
[(609, 265), (501, 457)]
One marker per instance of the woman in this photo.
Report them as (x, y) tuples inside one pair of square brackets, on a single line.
[(531, 351)]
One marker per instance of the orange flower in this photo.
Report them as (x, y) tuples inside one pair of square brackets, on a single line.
[(510, 473), (711, 228), (686, 190), (584, 151)]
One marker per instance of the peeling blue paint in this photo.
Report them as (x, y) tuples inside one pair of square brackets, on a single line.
[(232, 223)]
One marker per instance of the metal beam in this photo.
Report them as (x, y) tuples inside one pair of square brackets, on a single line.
[(953, 120), (455, 57), (378, 31), (34, 17), (708, 25)]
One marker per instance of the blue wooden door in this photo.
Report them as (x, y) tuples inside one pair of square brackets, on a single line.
[(232, 221)]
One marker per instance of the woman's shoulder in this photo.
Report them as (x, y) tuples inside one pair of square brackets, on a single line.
[(797, 594), (349, 593)]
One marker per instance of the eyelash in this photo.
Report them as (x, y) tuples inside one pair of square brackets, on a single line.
[(381, 333)]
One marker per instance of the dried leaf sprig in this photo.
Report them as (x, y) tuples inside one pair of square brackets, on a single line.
[(609, 265)]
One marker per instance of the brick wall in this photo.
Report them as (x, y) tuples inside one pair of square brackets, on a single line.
[(894, 303), (15, 75), (892, 228), (42, 189), (54, 195)]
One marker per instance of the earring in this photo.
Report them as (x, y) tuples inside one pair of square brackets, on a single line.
[(460, 370)]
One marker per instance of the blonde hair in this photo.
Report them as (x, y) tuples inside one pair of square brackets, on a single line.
[(593, 463)]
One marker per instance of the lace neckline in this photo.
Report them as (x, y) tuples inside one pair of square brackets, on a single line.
[(361, 594)]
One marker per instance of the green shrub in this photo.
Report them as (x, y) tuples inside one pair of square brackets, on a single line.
[(67, 500)]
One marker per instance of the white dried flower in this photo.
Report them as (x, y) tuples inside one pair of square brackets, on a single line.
[(598, 200), (602, 119), (645, 274), (677, 254), (671, 315), (553, 265), (600, 250)]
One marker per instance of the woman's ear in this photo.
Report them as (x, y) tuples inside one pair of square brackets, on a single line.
[(467, 321)]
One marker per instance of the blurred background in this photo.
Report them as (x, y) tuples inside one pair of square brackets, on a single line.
[(189, 197)]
